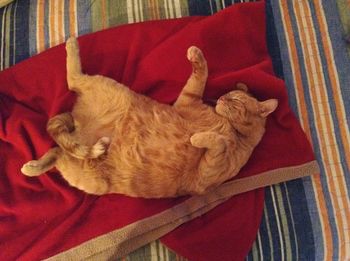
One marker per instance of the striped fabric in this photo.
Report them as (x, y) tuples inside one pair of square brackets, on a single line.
[(307, 219)]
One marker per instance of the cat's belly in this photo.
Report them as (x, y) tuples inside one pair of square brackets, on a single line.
[(153, 151)]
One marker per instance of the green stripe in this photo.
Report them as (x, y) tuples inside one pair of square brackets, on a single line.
[(117, 13), (292, 222), (283, 217), (96, 21)]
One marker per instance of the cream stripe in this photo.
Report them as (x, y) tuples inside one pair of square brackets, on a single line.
[(62, 24), (153, 247), (137, 11), (56, 24), (141, 10), (278, 223), (320, 93), (316, 182), (129, 8), (7, 36), (177, 8), (170, 8), (166, 9), (260, 247), (124, 240)]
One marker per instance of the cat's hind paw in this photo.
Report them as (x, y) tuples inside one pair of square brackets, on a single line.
[(72, 43), (100, 147), (32, 168), (195, 55)]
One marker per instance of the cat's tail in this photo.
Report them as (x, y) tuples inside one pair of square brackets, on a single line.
[(60, 128), (45, 163)]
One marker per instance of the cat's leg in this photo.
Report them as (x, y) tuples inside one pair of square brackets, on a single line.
[(60, 129), (75, 76), (194, 88), (46, 162), (214, 162)]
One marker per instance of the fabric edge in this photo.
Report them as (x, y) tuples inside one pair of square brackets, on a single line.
[(120, 242)]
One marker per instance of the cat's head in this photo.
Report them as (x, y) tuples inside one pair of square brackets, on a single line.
[(239, 107)]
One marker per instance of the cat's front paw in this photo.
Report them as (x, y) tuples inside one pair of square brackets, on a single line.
[(31, 168), (100, 147), (197, 140)]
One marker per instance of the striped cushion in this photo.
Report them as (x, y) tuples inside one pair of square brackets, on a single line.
[(303, 220)]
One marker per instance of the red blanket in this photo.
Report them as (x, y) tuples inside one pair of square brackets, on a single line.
[(42, 216)]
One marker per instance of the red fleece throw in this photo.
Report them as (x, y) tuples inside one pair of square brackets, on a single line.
[(42, 216)]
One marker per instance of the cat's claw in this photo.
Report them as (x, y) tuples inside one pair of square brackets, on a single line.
[(100, 147)]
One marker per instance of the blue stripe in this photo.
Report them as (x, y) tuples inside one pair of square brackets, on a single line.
[(272, 41), (283, 47), (84, 17), (22, 31), (46, 25), (302, 221), (32, 27), (66, 19), (199, 7)]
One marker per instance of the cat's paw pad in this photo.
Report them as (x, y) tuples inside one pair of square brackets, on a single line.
[(195, 55), (31, 168), (100, 147)]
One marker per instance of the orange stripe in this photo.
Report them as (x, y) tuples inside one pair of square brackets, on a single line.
[(328, 243), (156, 9), (60, 23), (151, 7), (72, 21), (334, 83), (40, 39)]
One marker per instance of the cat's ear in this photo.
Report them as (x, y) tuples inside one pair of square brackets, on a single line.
[(267, 107), (242, 86)]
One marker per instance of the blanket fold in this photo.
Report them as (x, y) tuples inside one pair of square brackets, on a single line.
[(44, 216)]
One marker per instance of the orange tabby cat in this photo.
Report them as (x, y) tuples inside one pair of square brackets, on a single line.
[(118, 141)]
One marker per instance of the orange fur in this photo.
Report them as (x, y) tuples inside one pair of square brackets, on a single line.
[(130, 144)]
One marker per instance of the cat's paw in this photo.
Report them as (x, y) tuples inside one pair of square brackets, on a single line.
[(72, 43), (195, 55), (100, 147), (197, 140), (31, 168)]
